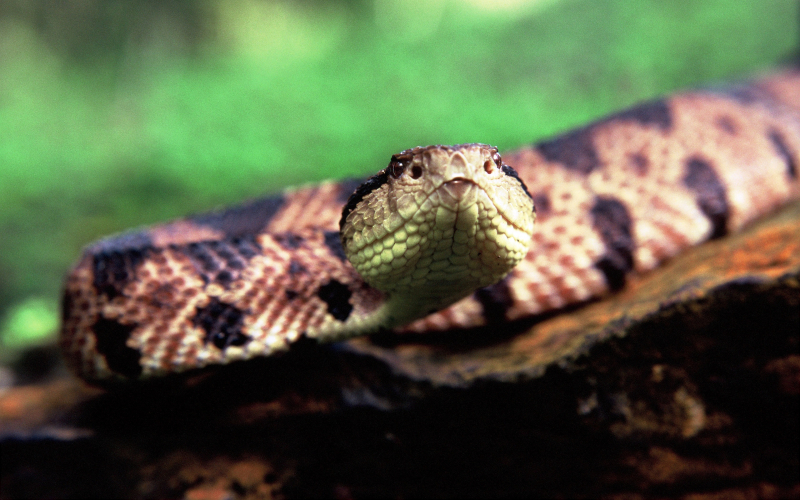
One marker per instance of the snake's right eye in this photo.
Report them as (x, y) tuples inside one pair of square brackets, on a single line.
[(396, 168), (497, 160)]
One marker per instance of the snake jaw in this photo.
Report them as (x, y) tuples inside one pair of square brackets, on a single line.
[(435, 225)]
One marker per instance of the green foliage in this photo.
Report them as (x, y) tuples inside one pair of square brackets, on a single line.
[(117, 114), (30, 322)]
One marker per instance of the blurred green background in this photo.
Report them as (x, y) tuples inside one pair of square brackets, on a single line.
[(115, 114)]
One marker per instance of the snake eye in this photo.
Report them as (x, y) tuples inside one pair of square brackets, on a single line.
[(416, 172), (396, 168), (497, 160)]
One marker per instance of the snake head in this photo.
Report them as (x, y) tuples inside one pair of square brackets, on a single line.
[(437, 223)]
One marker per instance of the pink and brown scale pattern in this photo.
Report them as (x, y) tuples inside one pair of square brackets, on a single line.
[(616, 197)]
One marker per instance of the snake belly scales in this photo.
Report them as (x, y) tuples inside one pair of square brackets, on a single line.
[(616, 197)]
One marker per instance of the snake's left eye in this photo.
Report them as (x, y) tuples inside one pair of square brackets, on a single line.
[(396, 168)]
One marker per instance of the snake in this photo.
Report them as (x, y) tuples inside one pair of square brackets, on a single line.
[(444, 238)]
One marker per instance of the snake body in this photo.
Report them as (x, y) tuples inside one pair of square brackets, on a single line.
[(616, 197)]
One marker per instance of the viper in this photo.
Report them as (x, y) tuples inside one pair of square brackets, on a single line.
[(442, 238)]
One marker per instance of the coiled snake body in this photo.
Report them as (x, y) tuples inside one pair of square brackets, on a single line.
[(432, 229)]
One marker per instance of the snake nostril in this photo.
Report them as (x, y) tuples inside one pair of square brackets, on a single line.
[(488, 165), (416, 172)]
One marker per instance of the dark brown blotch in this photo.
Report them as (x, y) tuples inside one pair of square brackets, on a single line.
[(727, 124), (495, 301), (225, 278), (742, 94), (112, 337), (220, 261), (134, 240), (246, 246), (783, 151), (289, 241), (574, 150), (202, 257), (336, 296), (222, 323), (655, 113), (224, 252), (710, 194), (164, 295), (244, 220), (228, 254), (640, 163), (114, 269), (296, 267), (541, 203), (334, 243), (611, 219)]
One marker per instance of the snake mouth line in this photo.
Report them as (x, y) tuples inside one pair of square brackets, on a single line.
[(459, 188)]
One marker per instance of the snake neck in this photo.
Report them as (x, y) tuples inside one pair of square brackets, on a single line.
[(393, 312)]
